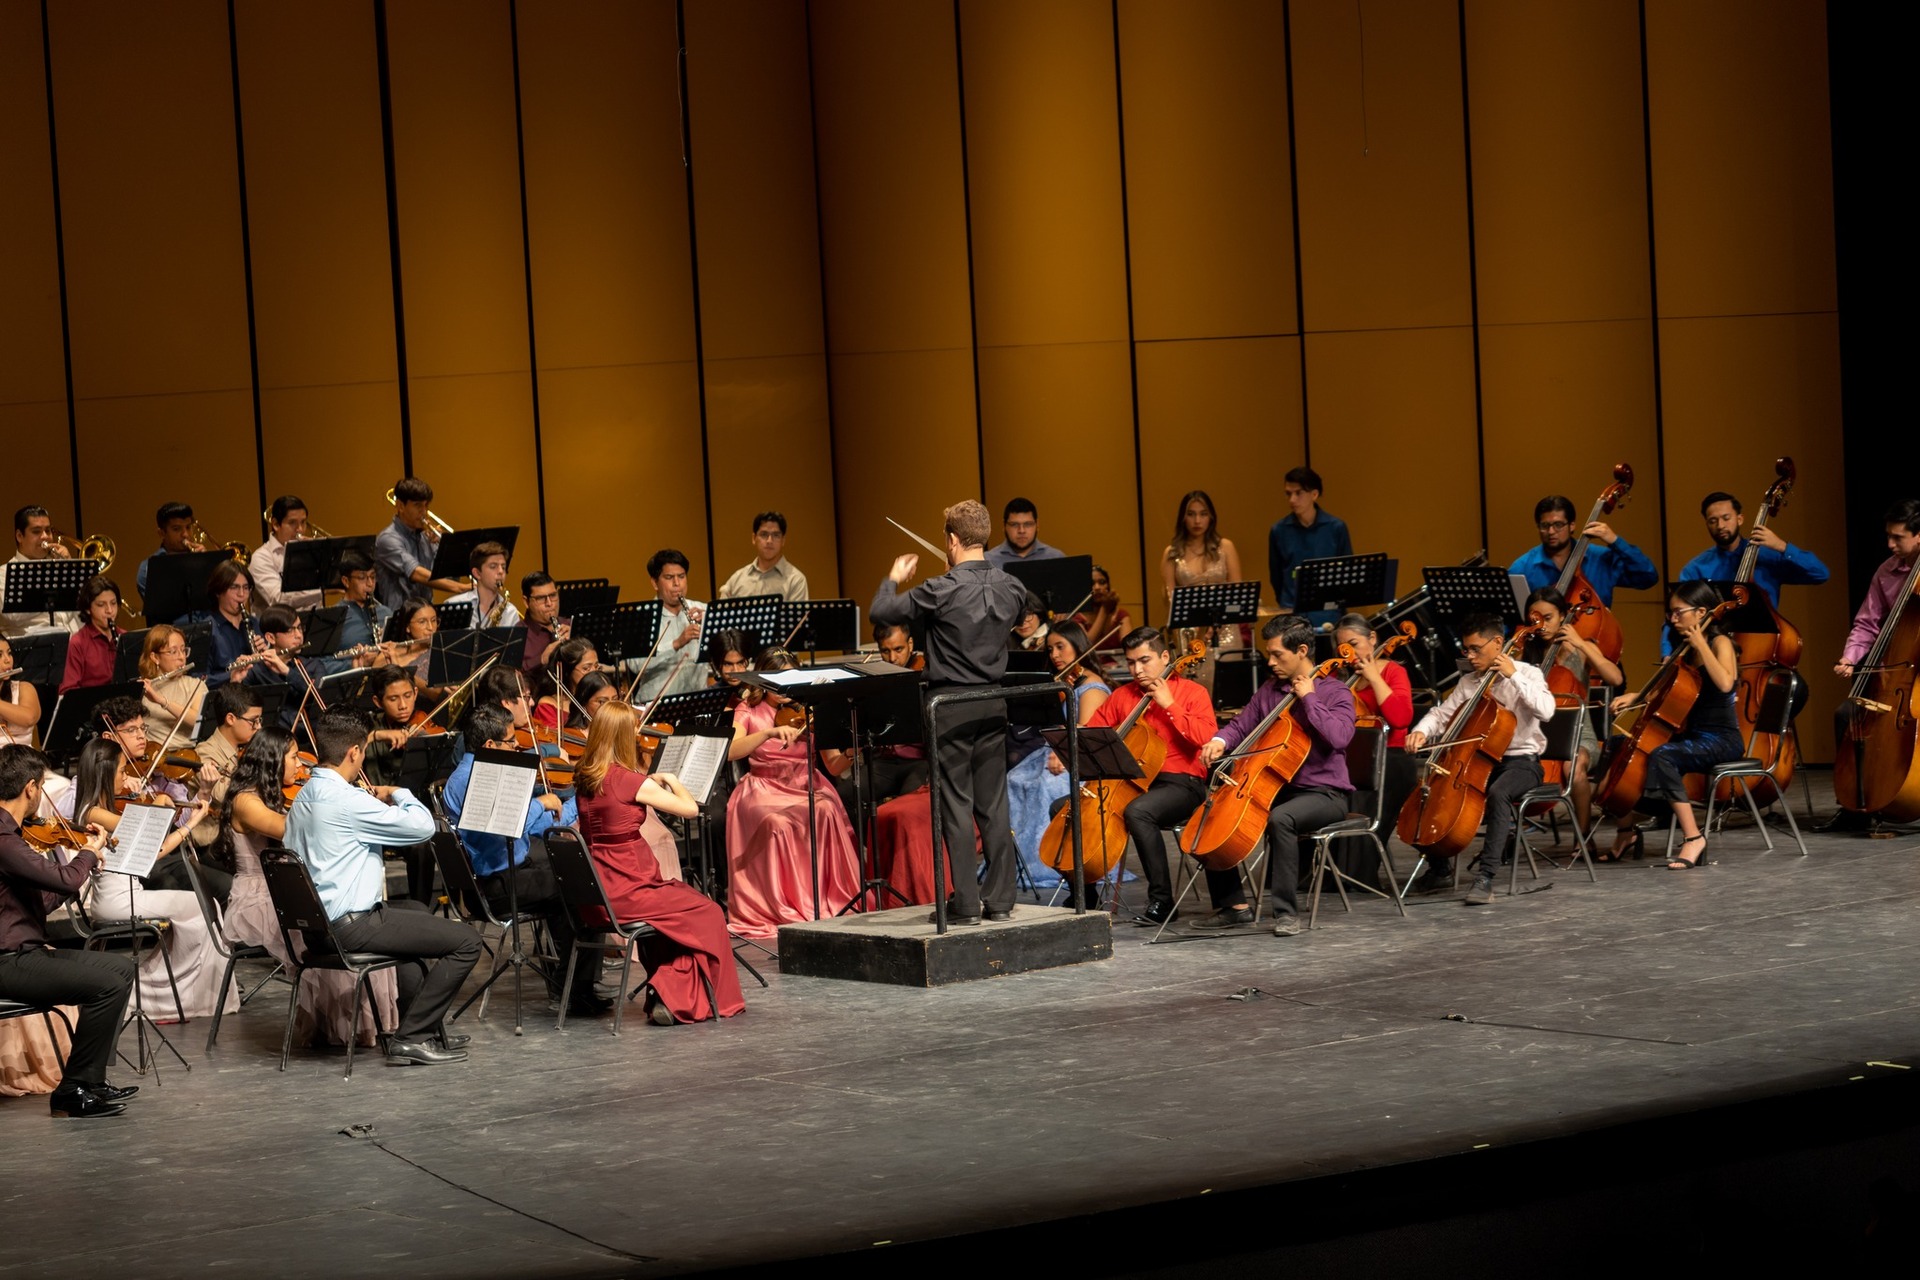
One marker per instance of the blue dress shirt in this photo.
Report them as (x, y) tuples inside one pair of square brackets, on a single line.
[(490, 851), (1289, 542), (1771, 571), (1606, 567), (363, 624), (397, 552), (339, 831)]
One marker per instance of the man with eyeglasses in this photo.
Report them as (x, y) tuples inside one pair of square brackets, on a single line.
[(235, 712), (1020, 519), (1521, 688), (546, 629), (366, 618), (1615, 562)]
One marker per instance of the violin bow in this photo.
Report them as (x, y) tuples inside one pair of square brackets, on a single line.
[(788, 642), (922, 541), (533, 730), (458, 689)]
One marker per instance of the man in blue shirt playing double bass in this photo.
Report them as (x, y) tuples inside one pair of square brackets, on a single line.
[(1612, 562), (1776, 564)]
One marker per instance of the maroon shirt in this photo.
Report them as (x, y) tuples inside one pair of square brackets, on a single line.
[(90, 659), (32, 885)]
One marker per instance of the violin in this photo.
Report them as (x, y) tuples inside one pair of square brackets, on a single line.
[(1441, 817), (1874, 768), (1101, 804), (792, 715), (1665, 702), (179, 765), (1232, 821), (423, 723), (1595, 621), (1381, 652)]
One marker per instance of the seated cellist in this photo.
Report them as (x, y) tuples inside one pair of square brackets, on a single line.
[(1320, 791), (1521, 689)]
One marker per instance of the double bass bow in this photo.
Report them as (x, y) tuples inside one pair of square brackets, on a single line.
[(1593, 620), (1874, 768)]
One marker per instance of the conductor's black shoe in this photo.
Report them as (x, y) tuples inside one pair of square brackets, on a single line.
[(997, 914), (423, 1053), (82, 1104), (454, 1041), (1157, 913), (954, 915), (111, 1092), (1226, 918)]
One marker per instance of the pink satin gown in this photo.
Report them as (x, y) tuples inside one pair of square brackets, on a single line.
[(769, 867)]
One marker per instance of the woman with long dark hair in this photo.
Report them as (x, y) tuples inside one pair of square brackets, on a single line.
[(1198, 555)]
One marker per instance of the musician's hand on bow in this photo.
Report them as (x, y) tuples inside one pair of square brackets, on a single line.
[(550, 802), (1416, 740), (1622, 702), (903, 568), (787, 734), (1054, 764), (210, 775), (1843, 669), (1212, 751)]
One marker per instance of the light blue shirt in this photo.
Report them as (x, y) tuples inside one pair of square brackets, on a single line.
[(339, 830), (490, 851), (1606, 567)]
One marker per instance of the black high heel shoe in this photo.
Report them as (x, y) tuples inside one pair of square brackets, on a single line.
[(1678, 863), (1633, 850)]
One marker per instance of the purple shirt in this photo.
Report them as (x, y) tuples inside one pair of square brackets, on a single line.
[(1327, 714), (1886, 584)]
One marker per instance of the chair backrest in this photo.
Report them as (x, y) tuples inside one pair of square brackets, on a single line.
[(296, 903), (456, 868), (580, 886), (1563, 734), (1780, 693), (1367, 764), (209, 906)]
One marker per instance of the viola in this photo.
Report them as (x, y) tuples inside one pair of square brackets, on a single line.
[(1594, 620), (1384, 650), (1442, 815), (1232, 821), (1665, 703), (1102, 803), (1874, 770)]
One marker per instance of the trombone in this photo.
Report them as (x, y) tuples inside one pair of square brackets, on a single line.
[(98, 547), (440, 527), (313, 530), (200, 540)]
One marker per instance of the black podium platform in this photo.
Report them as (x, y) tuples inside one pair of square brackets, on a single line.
[(901, 948)]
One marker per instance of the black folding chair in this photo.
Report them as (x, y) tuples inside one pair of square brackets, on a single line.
[(296, 904), (47, 1013), (138, 934), (1775, 716), (469, 900), (593, 918), (1563, 746), (234, 953), (1366, 760)]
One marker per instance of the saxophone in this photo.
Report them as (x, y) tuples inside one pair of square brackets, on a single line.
[(500, 603)]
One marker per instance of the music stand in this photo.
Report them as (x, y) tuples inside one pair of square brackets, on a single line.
[(455, 616), (1062, 585), (177, 585), (313, 564), (700, 708), (456, 655), (426, 759), (126, 655), (76, 718), (453, 559), (586, 593), (46, 586), (1103, 757), (1335, 584), (1457, 592), (41, 660), (1214, 604), (758, 616), (126, 659), (619, 631), (323, 627), (819, 624), (1028, 662)]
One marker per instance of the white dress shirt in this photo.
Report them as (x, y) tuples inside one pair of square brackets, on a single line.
[(266, 566), (692, 673), (339, 830), (509, 616), (1524, 693)]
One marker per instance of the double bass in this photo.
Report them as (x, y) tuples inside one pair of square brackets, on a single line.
[(1443, 814), (1665, 702), (1232, 820), (1874, 767), (1103, 833), (1592, 619)]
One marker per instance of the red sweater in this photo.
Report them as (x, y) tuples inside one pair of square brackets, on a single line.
[(1186, 725), (1398, 711)]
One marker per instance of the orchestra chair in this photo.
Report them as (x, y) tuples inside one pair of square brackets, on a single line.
[(47, 1013), (1775, 716), (593, 918), (234, 953), (139, 934), (1563, 747), (296, 904), (455, 860), (1366, 759)]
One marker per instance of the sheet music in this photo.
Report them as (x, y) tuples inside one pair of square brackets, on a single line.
[(798, 676), (497, 799), (695, 760), (137, 840)]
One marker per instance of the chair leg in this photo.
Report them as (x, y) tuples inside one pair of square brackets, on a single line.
[(1386, 865), (1313, 894), (566, 988), (1582, 839), (220, 1005), (293, 1004), (46, 1016), (1794, 827), (1746, 789), (626, 971)]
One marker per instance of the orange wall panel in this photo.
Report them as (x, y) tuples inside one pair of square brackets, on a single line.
[(1382, 168), (322, 275), (462, 264), (612, 286), (1209, 202), (33, 390), (1559, 163), (1223, 416), (155, 283), (1742, 157)]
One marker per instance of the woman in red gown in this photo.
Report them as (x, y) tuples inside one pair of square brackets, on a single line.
[(692, 953)]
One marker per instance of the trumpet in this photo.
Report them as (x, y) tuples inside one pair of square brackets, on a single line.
[(200, 540), (440, 527), (313, 530), (98, 547)]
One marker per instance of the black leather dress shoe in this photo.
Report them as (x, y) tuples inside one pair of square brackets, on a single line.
[(454, 1041), (1157, 913), (423, 1053), (82, 1104), (588, 1006), (997, 914), (1226, 918), (112, 1093), (954, 916)]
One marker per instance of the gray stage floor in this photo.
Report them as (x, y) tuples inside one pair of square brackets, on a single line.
[(837, 1116)]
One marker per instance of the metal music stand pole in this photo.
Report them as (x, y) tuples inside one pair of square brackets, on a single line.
[(141, 1022)]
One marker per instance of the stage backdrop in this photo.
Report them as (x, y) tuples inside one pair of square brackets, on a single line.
[(866, 257)]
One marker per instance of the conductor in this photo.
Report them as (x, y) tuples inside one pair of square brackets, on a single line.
[(965, 615)]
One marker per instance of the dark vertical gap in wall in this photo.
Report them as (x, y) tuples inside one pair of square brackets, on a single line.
[(826, 319), (526, 262), (246, 263), (693, 267), (1653, 289), (1293, 194), (966, 209), (393, 234), (1473, 275), (1133, 349), (60, 266)]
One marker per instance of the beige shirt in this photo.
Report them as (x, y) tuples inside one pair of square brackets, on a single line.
[(782, 580), (183, 691), (222, 755), (266, 567)]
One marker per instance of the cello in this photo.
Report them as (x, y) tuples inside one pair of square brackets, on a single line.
[(1232, 820), (1101, 803), (1594, 621), (1565, 687), (1665, 702), (1874, 767), (1442, 815)]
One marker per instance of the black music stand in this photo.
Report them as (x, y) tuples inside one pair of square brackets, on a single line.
[(1063, 585), (177, 585), (428, 758), (126, 655), (455, 656), (76, 718), (699, 709), (1457, 592), (620, 631), (323, 628), (46, 586), (1103, 758), (313, 564), (1214, 604), (452, 559), (833, 625), (41, 660), (1335, 584), (455, 616), (758, 616), (586, 593), (1028, 662)]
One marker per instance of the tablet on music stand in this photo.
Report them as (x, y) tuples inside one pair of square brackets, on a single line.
[(1063, 585)]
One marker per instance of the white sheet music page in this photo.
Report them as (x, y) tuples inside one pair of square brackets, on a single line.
[(497, 799), (695, 760), (137, 840)]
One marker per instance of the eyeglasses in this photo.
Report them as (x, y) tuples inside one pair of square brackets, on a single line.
[(255, 721), (1683, 612), (1548, 526)]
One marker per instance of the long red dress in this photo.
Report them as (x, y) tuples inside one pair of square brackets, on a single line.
[(693, 948), (903, 846)]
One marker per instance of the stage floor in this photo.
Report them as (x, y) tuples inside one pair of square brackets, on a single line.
[(837, 1116)]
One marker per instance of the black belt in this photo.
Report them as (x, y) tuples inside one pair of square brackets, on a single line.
[(351, 916)]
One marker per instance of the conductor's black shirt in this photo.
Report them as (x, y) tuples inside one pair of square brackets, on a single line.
[(964, 616)]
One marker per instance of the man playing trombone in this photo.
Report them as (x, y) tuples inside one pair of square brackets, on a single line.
[(287, 520), (405, 549)]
